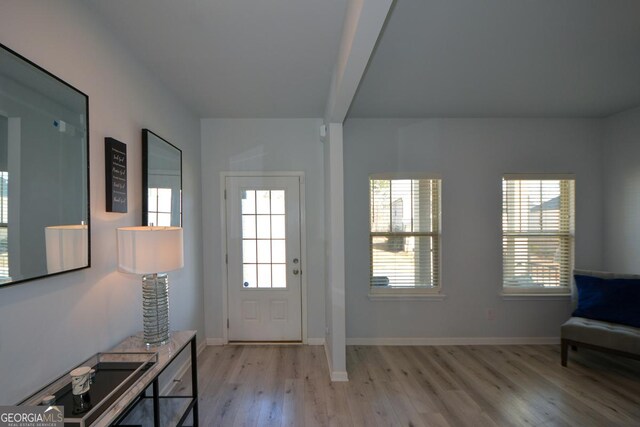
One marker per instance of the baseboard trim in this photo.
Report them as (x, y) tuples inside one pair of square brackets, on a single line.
[(336, 376), (220, 341), (454, 341), (339, 376), (181, 371)]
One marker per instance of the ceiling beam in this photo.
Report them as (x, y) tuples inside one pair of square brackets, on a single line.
[(362, 26)]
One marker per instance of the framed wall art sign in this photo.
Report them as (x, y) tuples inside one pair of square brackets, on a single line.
[(116, 175)]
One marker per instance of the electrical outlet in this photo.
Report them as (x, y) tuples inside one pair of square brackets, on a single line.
[(491, 314)]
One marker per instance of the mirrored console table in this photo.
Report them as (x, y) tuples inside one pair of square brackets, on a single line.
[(130, 403)]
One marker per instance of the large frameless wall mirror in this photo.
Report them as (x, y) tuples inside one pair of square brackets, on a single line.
[(161, 181), (44, 166)]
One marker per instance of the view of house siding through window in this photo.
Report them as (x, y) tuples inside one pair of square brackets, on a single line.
[(404, 232), (537, 233)]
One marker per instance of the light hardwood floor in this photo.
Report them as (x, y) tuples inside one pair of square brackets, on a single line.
[(416, 386)]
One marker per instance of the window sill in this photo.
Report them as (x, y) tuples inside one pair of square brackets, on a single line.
[(399, 296), (532, 296)]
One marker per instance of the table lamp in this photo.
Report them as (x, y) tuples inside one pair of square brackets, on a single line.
[(152, 251)]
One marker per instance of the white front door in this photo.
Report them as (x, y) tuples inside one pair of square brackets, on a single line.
[(264, 266)]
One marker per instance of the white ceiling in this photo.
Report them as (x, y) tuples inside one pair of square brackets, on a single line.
[(435, 58), (235, 58), (504, 58)]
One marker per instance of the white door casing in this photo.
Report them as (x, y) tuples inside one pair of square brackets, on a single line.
[(264, 258)]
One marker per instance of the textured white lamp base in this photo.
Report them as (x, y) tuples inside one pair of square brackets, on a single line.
[(155, 308)]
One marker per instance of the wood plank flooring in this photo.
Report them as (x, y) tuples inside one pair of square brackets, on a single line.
[(415, 386)]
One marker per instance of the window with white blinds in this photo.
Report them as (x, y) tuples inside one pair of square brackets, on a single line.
[(537, 232), (4, 224), (404, 233)]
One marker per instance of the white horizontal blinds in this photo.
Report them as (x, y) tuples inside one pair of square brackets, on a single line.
[(405, 232), (537, 232)]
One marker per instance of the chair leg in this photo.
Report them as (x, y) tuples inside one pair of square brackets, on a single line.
[(564, 352)]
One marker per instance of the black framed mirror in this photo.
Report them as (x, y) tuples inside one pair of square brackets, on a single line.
[(44, 172), (161, 181)]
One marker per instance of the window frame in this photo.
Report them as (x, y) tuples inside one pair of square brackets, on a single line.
[(153, 214), (541, 291), (409, 292)]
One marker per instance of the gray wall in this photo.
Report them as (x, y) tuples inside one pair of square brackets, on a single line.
[(471, 155), (50, 325), (622, 192), (262, 145)]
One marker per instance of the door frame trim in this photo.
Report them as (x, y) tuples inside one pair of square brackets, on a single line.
[(303, 243)]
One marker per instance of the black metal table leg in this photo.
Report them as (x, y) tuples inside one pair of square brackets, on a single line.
[(194, 380), (156, 403)]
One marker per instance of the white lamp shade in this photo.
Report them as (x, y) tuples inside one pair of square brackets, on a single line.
[(149, 250), (66, 247)]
